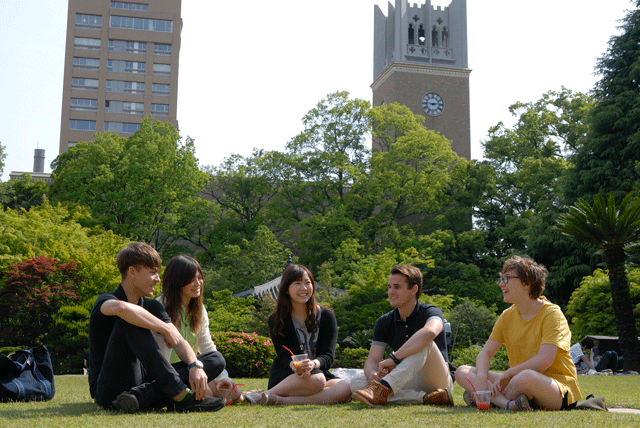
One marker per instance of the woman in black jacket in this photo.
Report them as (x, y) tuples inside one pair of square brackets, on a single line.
[(301, 325)]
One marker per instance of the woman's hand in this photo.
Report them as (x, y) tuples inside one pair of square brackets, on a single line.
[(302, 368)]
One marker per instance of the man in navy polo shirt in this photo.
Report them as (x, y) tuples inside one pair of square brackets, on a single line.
[(417, 370)]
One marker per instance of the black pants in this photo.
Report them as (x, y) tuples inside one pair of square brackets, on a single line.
[(609, 360), (213, 363), (133, 362)]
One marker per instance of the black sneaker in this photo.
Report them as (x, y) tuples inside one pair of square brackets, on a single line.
[(126, 402), (208, 404)]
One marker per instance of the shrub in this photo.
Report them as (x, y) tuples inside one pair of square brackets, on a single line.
[(247, 354), (467, 356), (351, 358)]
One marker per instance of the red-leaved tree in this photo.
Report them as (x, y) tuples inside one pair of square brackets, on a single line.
[(31, 292)]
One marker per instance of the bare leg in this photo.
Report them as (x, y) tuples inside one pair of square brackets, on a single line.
[(294, 385), (544, 390), (335, 391), (463, 372)]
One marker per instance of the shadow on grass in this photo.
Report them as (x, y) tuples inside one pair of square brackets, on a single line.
[(63, 409)]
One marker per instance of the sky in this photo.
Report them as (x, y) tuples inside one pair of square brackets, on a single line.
[(269, 62)]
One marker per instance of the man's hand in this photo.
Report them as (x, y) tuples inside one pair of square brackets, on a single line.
[(171, 335), (385, 366), (198, 382)]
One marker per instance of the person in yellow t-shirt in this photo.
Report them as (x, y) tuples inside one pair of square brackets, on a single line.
[(535, 332)]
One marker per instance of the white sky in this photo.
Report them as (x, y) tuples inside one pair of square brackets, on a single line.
[(270, 62)]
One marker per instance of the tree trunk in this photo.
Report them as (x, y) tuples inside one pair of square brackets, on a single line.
[(622, 309)]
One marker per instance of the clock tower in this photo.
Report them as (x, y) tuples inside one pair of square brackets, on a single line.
[(420, 61)]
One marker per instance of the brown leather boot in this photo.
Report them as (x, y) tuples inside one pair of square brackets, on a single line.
[(440, 397), (374, 395)]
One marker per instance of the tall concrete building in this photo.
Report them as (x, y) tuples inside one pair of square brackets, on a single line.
[(121, 64), (420, 60)]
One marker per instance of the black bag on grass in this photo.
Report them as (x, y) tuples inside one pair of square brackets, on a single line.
[(27, 375)]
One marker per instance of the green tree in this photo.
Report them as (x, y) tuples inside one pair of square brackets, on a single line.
[(242, 187), (3, 156), (253, 262), (135, 186), (527, 192), (608, 161), (57, 232), (331, 150), (590, 310), (613, 228), (23, 193)]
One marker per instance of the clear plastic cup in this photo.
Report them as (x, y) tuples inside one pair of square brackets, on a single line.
[(297, 362), (483, 400)]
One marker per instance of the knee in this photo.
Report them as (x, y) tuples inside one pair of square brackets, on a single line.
[(461, 373), (524, 378)]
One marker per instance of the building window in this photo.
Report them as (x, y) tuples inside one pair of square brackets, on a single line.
[(162, 69), (84, 104), (84, 84), (129, 6), (86, 63), (162, 50), (160, 89), (118, 66), (91, 22), (123, 107), (122, 127), (160, 109), (127, 46), (82, 125), (71, 143), (130, 23), (86, 43), (125, 87)]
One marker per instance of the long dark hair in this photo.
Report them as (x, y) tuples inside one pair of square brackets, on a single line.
[(180, 271), (283, 307)]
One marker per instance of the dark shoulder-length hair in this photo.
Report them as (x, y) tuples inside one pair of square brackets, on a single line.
[(283, 306), (180, 271)]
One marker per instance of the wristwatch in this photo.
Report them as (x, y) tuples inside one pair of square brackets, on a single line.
[(196, 363)]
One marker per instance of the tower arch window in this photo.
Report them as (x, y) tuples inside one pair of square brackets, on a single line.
[(421, 35), (410, 34)]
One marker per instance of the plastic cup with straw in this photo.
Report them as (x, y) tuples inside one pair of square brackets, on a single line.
[(297, 360), (483, 398)]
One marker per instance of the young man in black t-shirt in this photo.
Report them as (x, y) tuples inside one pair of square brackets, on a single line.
[(417, 370)]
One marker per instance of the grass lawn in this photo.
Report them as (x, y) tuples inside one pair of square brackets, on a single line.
[(72, 407)]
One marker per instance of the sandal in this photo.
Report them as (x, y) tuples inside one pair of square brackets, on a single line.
[(521, 403), (269, 399), (466, 396), (254, 397)]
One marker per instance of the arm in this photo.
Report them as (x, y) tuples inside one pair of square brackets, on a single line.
[(483, 360), (420, 340), (140, 317), (371, 365), (588, 361)]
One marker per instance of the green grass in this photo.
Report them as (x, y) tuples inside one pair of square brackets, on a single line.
[(72, 407)]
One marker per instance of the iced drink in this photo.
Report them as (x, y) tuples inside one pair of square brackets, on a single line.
[(483, 400), (297, 362)]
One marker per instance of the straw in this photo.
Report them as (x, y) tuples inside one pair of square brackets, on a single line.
[(294, 357), (474, 388)]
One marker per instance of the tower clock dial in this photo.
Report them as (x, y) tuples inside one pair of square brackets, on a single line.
[(432, 104)]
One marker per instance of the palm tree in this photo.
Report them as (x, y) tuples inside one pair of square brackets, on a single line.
[(615, 230)]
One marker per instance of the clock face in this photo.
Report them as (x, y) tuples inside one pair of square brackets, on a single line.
[(432, 104)]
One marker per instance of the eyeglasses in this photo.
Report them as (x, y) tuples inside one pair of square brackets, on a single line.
[(504, 279)]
